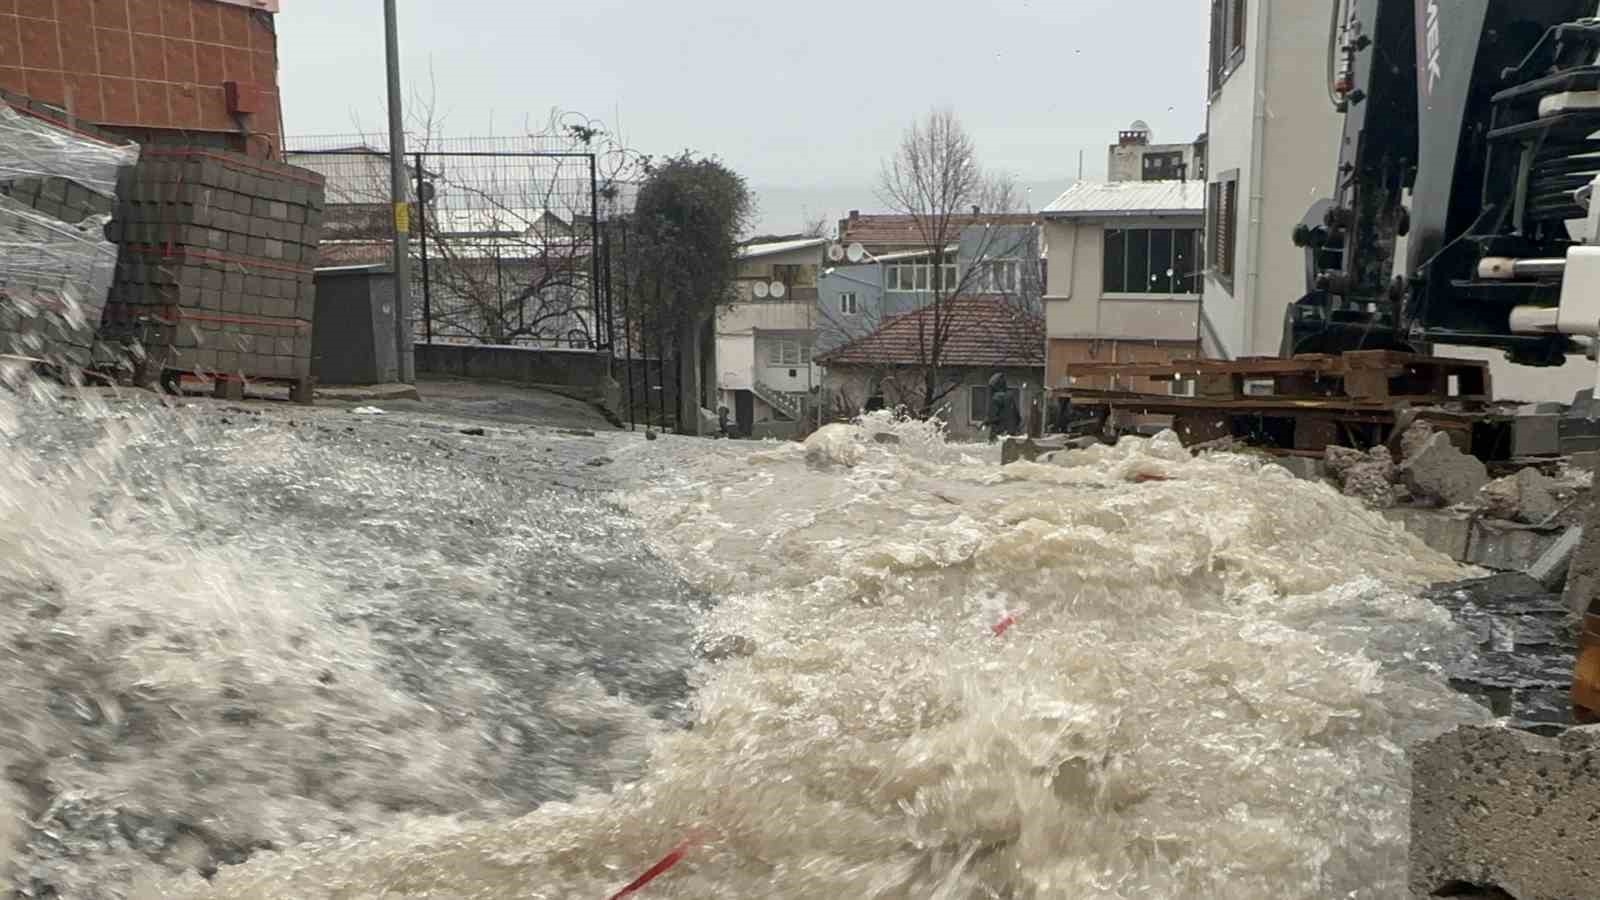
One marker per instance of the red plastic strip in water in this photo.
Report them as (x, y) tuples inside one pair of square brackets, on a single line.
[(654, 872)]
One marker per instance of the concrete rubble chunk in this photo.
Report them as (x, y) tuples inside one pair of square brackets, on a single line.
[(1499, 809), (1372, 479), (1340, 459), (1414, 437), (1437, 470), (1528, 496)]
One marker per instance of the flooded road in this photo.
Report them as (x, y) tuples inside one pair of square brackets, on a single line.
[(1138, 675), (225, 631)]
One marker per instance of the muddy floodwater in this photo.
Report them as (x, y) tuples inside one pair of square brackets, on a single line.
[(375, 657)]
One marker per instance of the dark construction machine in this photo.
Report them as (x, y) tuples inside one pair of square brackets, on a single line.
[(1472, 131)]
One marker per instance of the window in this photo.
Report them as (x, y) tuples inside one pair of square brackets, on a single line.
[(1003, 276), (788, 354), (1228, 22), (1181, 387), (978, 408), (1164, 166), (1222, 223), (847, 304), (1152, 261), (795, 275), (918, 276)]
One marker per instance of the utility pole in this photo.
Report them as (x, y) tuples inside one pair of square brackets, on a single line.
[(398, 186)]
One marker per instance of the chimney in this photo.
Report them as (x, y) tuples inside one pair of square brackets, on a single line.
[(975, 209), (855, 214)]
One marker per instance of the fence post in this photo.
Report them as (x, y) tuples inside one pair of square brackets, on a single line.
[(594, 256), (422, 234)]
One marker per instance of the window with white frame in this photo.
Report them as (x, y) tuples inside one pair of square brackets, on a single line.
[(1003, 276), (912, 276), (788, 353), (848, 305), (1162, 261)]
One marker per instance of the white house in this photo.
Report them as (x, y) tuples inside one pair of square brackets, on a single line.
[(1272, 144), (765, 337), (1124, 274), (1273, 141)]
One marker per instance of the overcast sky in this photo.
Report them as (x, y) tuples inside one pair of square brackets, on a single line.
[(805, 100)]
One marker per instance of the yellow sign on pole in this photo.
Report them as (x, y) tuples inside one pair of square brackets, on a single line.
[(402, 217)]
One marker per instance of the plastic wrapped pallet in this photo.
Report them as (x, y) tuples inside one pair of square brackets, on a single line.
[(57, 189)]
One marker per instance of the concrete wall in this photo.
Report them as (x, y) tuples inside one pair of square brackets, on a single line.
[(834, 327), (585, 373), (1301, 137)]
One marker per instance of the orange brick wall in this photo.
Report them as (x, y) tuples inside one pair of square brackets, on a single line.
[(151, 68)]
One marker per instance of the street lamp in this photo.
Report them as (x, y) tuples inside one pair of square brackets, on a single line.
[(398, 186)]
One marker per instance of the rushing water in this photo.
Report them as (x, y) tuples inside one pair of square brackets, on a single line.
[(223, 632), (1135, 675)]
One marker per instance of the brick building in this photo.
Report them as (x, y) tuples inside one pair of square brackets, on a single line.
[(197, 72)]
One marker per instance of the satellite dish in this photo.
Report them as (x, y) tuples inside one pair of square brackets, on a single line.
[(856, 253), (778, 290), (835, 253), (760, 290)]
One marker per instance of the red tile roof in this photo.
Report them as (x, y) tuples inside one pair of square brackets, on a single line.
[(982, 331), (905, 231)]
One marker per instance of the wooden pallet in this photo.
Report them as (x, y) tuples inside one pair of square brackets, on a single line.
[(1296, 406), (1366, 376), (231, 387)]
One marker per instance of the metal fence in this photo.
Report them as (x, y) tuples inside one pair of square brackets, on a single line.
[(508, 239)]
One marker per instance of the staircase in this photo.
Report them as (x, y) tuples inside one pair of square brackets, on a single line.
[(784, 404)]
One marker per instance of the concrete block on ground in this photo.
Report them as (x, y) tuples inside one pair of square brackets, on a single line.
[(1507, 547), (1551, 568), (1448, 533), (1499, 809), (1535, 435), (1304, 467)]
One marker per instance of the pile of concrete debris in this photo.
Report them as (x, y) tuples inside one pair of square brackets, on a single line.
[(1433, 472)]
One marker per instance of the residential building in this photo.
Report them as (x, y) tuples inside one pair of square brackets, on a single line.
[(1273, 140), (985, 335), (765, 338), (1134, 158), (198, 72), (1124, 274)]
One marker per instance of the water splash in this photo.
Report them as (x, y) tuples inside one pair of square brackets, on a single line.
[(224, 632), (1207, 689)]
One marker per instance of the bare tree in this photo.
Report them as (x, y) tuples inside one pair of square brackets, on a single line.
[(973, 244), (510, 240)]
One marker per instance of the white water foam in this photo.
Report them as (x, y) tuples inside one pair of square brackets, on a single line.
[(1133, 675)]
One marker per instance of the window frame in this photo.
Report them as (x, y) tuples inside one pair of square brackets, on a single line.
[(779, 357), (1229, 18), (852, 307), (922, 277), (1174, 247), (973, 418), (1222, 229)]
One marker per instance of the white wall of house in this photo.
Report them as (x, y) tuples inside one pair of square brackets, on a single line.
[(1078, 306), (1277, 91), (783, 361)]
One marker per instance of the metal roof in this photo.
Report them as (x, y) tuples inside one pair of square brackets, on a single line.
[(1086, 199), (752, 251)]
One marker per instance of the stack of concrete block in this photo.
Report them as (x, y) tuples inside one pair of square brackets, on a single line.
[(215, 274), (57, 184)]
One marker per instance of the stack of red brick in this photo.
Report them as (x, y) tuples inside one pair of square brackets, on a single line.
[(216, 264)]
